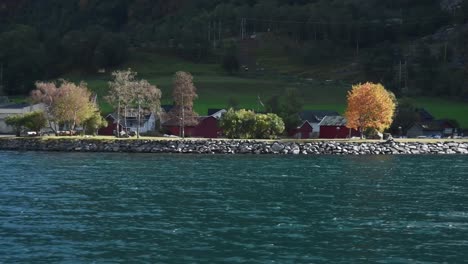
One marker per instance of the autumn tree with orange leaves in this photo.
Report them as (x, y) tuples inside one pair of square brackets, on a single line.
[(370, 106)]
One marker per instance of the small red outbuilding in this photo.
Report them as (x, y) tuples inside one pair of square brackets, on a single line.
[(335, 127), (111, 127), (207, 127), (303, 131)]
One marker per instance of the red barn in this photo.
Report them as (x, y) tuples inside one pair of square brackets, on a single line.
[(207, 127), (310, 123), (335, 127), (303, 131), (111, 127)]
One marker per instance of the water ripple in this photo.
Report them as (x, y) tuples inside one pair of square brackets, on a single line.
[(108, 208)]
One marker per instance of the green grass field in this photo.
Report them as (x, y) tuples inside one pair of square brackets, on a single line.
[(444, 108), (216, 88)]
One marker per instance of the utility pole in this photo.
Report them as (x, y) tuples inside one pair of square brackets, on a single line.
[(139, 119), (445, 52), (406, 75), (214, 34), (241, 35), (399, 77), (243, 25), (219, 30), (357, 41), (315, 31), (1, 78), (209, 31)]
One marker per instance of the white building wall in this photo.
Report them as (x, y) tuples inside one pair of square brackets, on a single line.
[(5, 112)]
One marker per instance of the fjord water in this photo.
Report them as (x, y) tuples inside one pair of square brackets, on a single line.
[(107, 208)]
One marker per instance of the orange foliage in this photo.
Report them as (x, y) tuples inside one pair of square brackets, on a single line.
[(370, 106)]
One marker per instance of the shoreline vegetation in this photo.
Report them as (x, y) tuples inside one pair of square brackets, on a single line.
[(230, 146)]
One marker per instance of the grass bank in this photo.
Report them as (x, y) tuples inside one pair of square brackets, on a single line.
[(216, 89)]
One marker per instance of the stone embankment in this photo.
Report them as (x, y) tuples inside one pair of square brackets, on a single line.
[(234, 146)]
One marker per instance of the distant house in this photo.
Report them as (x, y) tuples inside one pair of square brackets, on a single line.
[(335, 127), (207, 126), (15, 109), (309, 127), (435, 128), (128, 123), (147, 123)]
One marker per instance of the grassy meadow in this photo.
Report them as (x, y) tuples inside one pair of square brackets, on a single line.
[(215, 88)]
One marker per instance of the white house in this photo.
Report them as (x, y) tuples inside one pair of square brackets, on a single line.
[(15, 109), (147, 124), (129, 123)]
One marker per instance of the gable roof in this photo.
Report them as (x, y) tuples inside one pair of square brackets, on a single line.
[(315, 116), (424, 115), (218, 114), (333, 121), (167, 108), (304, 123), (143, 117), (212, 111), (435, 125), (430, 126)]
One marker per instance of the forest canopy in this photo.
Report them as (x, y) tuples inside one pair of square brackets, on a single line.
[(44, 39)]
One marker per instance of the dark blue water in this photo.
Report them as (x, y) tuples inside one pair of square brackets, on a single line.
[(110, 208)]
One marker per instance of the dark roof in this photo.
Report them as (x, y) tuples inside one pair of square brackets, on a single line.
[(436, 125), (315, 116), (142, 117), (167, 108), (333, 121), (212, 111), (15, 106), (447, 123), (431, 126), (424, 115), (129, 118)]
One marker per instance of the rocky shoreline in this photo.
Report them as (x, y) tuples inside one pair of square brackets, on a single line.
[(234, 146)]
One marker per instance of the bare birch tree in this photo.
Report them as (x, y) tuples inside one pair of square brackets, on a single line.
[(184, 93), (147, 96), (120, 93), (47, 93), (126, 91)]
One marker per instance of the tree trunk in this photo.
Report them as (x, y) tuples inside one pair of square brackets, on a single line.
[(139, 119), (72, 127), (125, 118), (118, 120)]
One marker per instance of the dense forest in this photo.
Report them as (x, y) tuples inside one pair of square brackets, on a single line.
[(414, 47)]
